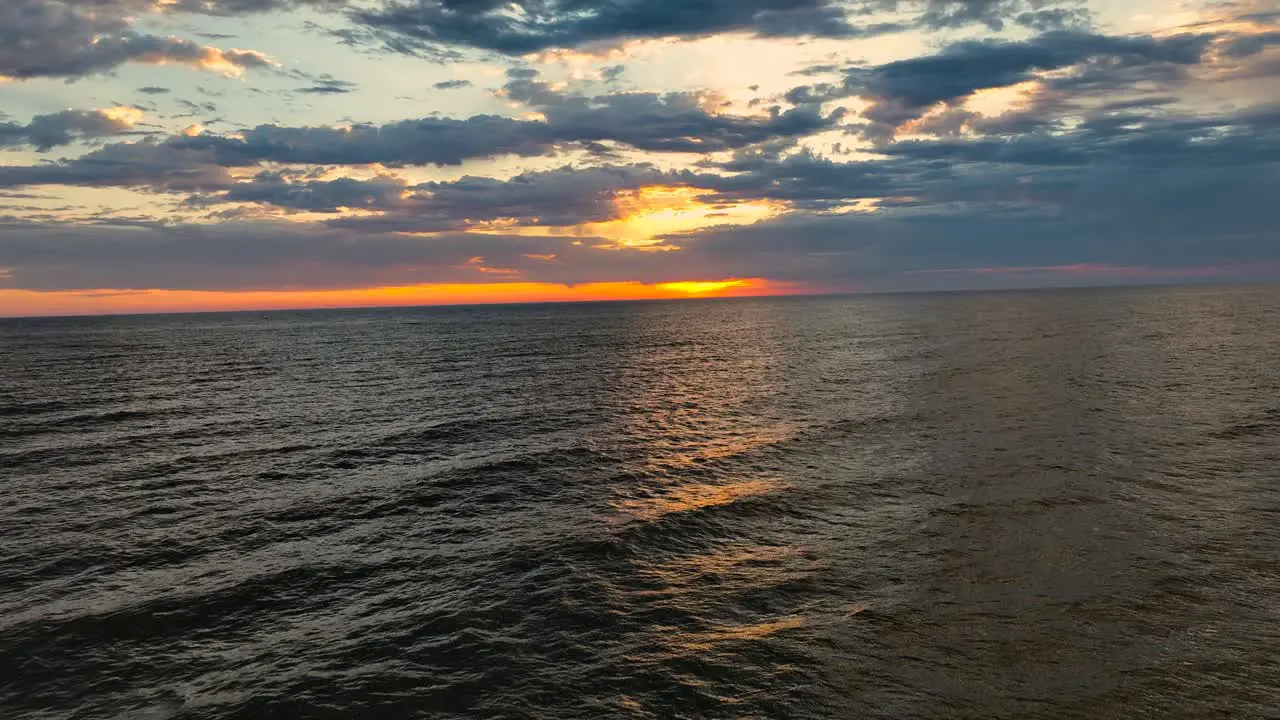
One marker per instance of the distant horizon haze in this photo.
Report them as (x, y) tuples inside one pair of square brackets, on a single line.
[(639, 293)]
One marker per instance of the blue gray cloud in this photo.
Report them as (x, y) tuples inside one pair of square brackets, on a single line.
[(670, 122), (49, 38), (905, 90), (45, 132), (527, 26)]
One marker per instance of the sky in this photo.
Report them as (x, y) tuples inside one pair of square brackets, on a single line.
[(176, 155)]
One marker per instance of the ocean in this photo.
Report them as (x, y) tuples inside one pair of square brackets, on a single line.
[(1048, 504)]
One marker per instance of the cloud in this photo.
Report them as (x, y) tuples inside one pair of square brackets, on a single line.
[(147, 163), (528, 26), (905, 90), (195, 108), (1123, 224), (52, 38), (45, 132), (452, 84), (273, 256), (1117, 169), (884, 250), (532, 26), (562, 197), (966, 67), (994, 14), (280, 190), (228, 8), (1117, 179), (1245, 138), (329, 86), (48, 38), (1159, 195), (1061, 155), (670, 122), (153, 90), (1247, 45), (556, 198), (659, 122), (1048, 20)]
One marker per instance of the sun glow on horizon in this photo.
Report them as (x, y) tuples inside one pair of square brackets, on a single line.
[(19, 303), (703, 288)]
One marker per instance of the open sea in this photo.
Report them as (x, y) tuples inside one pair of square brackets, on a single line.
[(1051, 504)]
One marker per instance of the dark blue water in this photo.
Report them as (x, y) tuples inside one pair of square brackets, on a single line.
[(1010, 505)]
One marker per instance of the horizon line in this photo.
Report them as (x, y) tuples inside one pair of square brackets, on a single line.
[(1150, 283)]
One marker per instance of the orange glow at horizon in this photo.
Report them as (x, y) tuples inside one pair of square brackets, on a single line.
[(703, 288), (17, 303)]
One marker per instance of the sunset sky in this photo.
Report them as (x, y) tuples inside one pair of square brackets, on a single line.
[(232, 154)]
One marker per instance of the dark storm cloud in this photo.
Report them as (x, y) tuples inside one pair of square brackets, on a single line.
[(153, 90), (48, 131)]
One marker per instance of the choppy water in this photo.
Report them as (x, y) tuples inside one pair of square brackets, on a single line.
[(1008, 505)]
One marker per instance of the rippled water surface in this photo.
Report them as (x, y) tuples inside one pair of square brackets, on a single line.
[(1008, 505)]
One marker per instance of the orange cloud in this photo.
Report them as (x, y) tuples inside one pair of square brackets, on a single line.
[(99, 302), (647, 213), (230, 63), (122, 115)]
